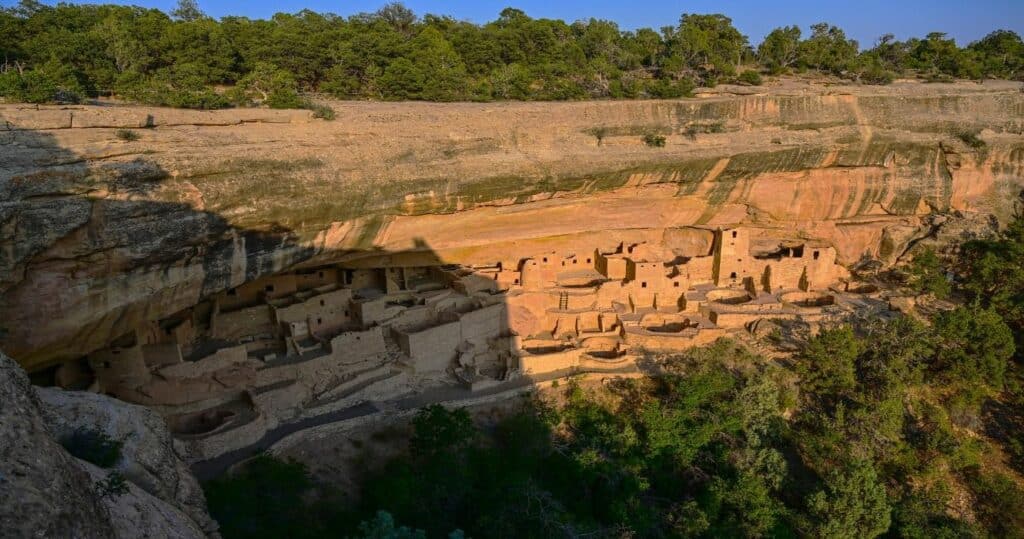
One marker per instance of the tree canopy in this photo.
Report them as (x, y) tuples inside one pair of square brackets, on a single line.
[(184, 58)]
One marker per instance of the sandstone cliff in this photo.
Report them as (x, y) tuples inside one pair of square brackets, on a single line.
[(98, 234)]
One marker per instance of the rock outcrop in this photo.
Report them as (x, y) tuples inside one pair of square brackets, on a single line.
[(147, 456), (98, 234), (136, 514), (44, 492)]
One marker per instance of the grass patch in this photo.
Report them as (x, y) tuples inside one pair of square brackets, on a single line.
[(127, 135)]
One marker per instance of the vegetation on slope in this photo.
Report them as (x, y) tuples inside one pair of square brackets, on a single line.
[(186, 59)]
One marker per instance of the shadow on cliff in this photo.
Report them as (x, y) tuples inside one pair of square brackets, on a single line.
[(87, 253)]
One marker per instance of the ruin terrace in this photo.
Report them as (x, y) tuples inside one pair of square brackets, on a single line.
[(320, 340)]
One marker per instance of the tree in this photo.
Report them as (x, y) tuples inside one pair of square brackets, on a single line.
[(828, 49), (443, 73), (270, 86), (992, 272), (975, 346), (708, 43), (401, 80), (828, 363), (399, 17), (780, 49), (1001, 54), (853, 504), (187, 10)]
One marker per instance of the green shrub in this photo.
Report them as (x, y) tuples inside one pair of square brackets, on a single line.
[(284, 98), (127, 135), (693, 129), (938, 77), (654, 141), (170, 90), (115, 485), (38, 86), (999, 502), (265, 498), (598, 133), (668, 89), (322, 112), (93, 445), (750, 77), (927, 274), (878, 75), (970, 138)]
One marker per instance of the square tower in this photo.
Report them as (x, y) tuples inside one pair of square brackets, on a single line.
[(732, 254)]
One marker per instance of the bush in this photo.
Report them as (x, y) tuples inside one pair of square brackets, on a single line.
[(322, 112), (266, 498), (39, 86), (113, 486), (927, 274), (285, 98), (750, 77), (970, 138), (654, 141), (878, 75), (127, 135), (999, 502), (667, 89), (598, 133), (170, 91), (93, 445)]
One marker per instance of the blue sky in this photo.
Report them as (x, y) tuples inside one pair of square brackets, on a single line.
[(863, 20)]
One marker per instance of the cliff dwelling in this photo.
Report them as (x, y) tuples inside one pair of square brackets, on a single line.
[(318, 340)]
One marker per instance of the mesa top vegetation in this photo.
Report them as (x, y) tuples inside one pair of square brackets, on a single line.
[(187, 59)]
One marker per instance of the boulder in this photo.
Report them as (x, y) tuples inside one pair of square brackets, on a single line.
[(147, 460), (44, 492), (136, 513)]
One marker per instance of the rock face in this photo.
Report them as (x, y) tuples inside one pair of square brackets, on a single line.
[(43, 490), (98, 235), (138, 514), (147, 453)]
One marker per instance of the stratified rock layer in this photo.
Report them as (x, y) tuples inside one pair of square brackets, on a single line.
[(99, 234)]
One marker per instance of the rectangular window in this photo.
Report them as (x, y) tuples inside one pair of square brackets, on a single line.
[(643, 284), (816, 253)]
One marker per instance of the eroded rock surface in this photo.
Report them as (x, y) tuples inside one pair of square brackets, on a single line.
[(100, 235), (147, 458), (44, 492)]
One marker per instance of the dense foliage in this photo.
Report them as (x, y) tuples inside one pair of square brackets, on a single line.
[(186, 59)]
